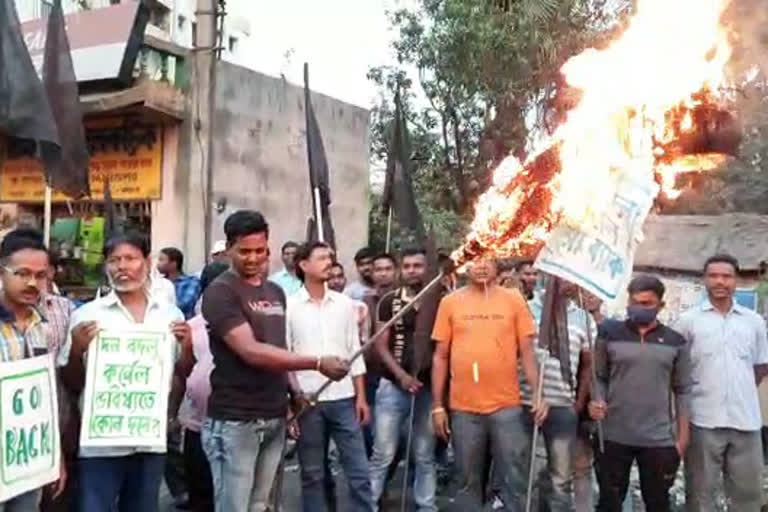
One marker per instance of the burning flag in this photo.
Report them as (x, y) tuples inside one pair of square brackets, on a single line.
[(650, 108)]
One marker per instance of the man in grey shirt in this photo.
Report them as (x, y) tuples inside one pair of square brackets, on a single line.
[(729, 351), (638, 362)]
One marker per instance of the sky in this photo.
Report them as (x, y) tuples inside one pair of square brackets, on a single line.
[(340, 39)]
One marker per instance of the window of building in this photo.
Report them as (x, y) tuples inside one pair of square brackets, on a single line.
[(232, 44), (114, 2), (194, 34), (181, 22)]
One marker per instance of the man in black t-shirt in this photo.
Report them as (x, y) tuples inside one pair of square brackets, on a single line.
[(406, 370), (244, 434)]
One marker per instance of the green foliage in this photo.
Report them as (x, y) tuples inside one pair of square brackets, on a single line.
[(487, 68)]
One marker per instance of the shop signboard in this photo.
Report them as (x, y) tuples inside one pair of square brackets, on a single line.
[(130, 155)]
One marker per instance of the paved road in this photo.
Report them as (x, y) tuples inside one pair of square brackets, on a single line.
[(292, 493)]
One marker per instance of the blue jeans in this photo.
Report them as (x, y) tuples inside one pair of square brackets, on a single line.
[(244, 458), (393, 407), (27, 502), (559, 433), (371, 386), (510, 445), (333, 419), (132, 480)]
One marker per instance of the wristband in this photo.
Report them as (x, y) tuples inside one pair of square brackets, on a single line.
[(438, 410)]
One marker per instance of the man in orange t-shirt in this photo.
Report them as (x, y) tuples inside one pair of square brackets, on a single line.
[(480, 332)]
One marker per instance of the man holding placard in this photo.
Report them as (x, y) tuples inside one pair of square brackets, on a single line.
[(124, 346), (31, 454)]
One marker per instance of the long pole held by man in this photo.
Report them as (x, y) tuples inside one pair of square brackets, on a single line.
[(534, 440)]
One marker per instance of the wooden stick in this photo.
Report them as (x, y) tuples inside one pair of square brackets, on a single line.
[(593, 391), (404, 495), (532, 468)]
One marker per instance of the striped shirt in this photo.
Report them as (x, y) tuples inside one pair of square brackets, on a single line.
[(556, 391), (16, 344), (57, 310)]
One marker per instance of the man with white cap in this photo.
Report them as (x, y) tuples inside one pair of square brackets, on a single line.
[(219, 252)]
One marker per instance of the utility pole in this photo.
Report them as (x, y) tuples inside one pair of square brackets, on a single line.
[(204, 86)]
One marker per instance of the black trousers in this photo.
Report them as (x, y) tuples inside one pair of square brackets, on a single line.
[(198, 473), (658, 468)]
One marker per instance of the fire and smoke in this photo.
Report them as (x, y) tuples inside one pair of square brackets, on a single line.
[(650, 106)]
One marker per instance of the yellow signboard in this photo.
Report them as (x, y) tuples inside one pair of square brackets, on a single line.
[(131, 156)]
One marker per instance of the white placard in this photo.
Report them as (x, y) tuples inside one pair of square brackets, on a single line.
[(598, 254), (29, 426), (126, 390)]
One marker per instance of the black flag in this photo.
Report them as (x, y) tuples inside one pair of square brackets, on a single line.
[(66, 165), (553, 329), (111, 227), (398, 188), (24, 109), (319, 179)]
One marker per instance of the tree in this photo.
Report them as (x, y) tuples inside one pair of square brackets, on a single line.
[(489, 72)]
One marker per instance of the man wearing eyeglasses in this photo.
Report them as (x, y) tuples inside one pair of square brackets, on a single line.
[(24, 276)]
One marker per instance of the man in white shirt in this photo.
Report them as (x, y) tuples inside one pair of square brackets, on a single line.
[(322, 322), (729, 355), (128, 476)]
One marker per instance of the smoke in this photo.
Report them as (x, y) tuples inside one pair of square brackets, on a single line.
[(747, 21)]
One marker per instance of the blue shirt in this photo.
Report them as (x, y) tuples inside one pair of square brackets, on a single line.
[(187, 292), (724, 350), (287, 281), (358, 290)]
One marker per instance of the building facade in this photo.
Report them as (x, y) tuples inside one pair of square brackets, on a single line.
[(173, 21), (139, 94)]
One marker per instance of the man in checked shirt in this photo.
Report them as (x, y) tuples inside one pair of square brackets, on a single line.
[(24, 275)]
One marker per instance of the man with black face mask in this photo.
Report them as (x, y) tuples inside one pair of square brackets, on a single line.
[(638, 362)]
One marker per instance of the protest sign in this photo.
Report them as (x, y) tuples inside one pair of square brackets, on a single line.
[(29, 426), (126, 390), (598, 253)]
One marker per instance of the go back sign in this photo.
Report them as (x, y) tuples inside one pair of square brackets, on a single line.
[(29, 426)]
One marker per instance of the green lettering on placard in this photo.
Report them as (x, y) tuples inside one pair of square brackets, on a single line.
[(23, 445), (10, 442), (32, 448), (18, 406), (34, 397), (46, 442)]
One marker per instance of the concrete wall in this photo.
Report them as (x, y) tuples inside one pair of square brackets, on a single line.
[(260, 161), (167, 212)]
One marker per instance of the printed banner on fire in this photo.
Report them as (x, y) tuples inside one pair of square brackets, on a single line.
[(126, 390), (29, 426), (598, 254)]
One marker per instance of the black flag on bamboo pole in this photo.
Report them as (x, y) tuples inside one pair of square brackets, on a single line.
[(66, 164), (24, 109), (321, 226), (398, 187)]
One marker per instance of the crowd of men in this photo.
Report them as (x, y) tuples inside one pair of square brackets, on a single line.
[(254, 354)]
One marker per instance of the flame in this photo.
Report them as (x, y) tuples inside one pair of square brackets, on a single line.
[(643, 98)]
